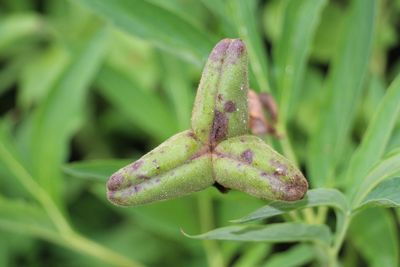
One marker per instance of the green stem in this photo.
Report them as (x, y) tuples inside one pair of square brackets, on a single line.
[(341, 234), (34, 189), (333, 251), (286, 144), (309, 216), (82, 244), (65, 235), (213, 253), (321, 214)]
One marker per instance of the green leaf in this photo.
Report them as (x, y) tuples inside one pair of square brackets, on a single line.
[(247, 27), (34, 86), (299, 255), (9, 73), (98, 170), (253, 254), (144, 108), (329, 32), (280, 232), (344, 87), (292, 50), (273, 16), (387, 167), (374, 234), (13, 28), (157, 25), (313, 198), (386, 194), (24, 218), (377, 136), (178, 88), (58, 117), (218, 8)]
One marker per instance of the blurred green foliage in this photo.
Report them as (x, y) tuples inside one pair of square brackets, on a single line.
[(89, 85)]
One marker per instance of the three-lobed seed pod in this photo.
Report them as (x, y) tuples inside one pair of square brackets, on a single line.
[(218, 148)]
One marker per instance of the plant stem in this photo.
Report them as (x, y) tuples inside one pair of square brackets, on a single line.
[(309, 216), (212, 250), (30, 184), (82, 244), (321, 214), (341, 234), (285, 143), (333, 251), (65, 235)]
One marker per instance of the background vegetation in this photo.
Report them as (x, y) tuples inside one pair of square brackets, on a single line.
[(87, 86)]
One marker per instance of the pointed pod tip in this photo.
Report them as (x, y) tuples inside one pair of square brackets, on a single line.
[(232, 47), (115, 181), (297, 189), (111, 197), (236, 48)]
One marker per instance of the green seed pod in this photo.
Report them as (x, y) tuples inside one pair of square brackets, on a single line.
[(175, 168), (220, 109), (216, 151), (248, 164)]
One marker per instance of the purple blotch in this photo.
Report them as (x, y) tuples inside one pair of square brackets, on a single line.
[(136, 165), (137, 188), (110, 195), (235, 50), (143, 177), (219, 50), (219, 128), (229, 106), (115, 181), (247, 156), (296, 189)]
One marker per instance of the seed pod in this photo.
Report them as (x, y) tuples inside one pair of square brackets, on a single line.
[(248, 164), (216, 151), (220, 109), (175, 168)]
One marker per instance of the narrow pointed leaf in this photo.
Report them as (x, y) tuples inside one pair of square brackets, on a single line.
[(377, 136), (386, 194), (344, 86), (374, 234), (58, 118), (386, 168), (13, 28), (143, 108), (25, 218), (97, 170), (313, 198), (280, 232), (168, 31), (247, 28), (292, 50)]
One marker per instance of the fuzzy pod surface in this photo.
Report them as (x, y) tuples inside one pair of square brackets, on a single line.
[(217, 150)]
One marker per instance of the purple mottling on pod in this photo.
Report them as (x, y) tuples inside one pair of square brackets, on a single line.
[(216, 151)]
